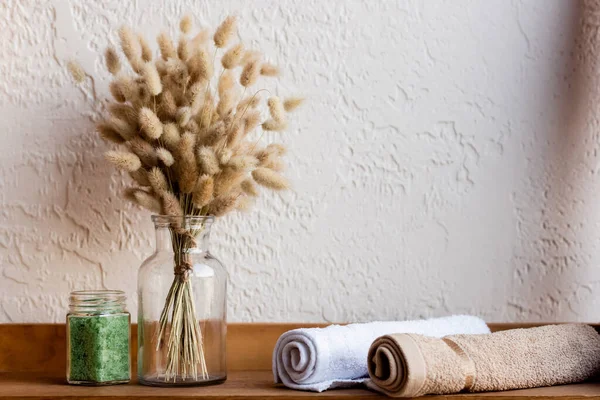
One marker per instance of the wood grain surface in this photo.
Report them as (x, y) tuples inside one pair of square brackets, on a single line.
[(241, 385), (42, 347)]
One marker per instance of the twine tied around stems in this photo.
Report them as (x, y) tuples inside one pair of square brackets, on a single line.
[(184, 267)]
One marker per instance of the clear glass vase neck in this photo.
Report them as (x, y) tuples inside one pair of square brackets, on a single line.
[(182, 234)]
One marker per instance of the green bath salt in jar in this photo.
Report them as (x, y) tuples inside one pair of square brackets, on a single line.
[(98, 338)]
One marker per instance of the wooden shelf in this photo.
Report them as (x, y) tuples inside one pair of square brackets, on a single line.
[(32, 366), (42, 347), (239, 386)]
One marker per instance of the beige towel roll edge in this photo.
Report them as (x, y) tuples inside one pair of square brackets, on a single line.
[(396, 366), (409, 365)]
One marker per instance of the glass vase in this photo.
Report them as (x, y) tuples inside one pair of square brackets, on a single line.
[(182, 291)]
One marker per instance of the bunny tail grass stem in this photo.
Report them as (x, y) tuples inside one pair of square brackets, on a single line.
[(185, 347), (181, 334)]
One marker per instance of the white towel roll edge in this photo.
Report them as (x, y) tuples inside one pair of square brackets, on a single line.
[(317, 359)]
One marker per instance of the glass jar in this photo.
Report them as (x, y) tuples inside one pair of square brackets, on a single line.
[(182, 299), (98, 338)]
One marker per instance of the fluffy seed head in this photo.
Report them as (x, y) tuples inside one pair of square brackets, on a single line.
[(276, 109), (268, 178), (124, 160), (171, 136), (249, 187), (142, 95), (251, 121), (268, 69), (208, 161), (226, 82), (167, 106), (167, 50), (144, 151), (76, 71), (199, 65), (192, 127), (107, 132), (158, 181), (186, 165), (226, 104), (225, 32), (204, 191), (124, 112), (151, 78), (249, 102), (113, 64), (250, 73), (187, 142), (201, 38), (276, 148), (197, 96), (291, 103), (183, 116), (124, 129), (275, 164), (116, 92), (145, 47), (126, 87), (233, 56), (225, 155), (234, 134), (215, 134), (170, 204), (228, 180), (123, 88), (177, 71), (263, 155), (165, 156), (245, 147), (242, 162), (161, 66), (206, 114), (183, 49), (250, 55), (185, 25), (269, 157), (215, 117), (150, 123), (244, 203), (131, 48), (140, 177), (272, 125), (143, 199), (223, 204)]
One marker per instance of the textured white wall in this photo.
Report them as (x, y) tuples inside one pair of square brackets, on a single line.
[(447, 161)]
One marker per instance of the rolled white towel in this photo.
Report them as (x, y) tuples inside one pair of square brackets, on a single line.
[(317, 359)]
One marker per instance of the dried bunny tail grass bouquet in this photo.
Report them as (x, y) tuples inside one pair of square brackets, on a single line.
[(186, 135)]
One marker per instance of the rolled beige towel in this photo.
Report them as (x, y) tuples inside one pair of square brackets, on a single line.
[(409, 365)]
